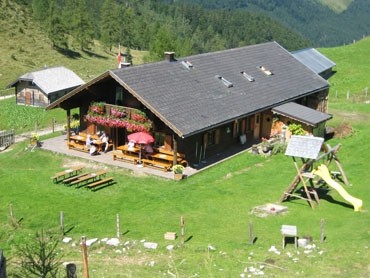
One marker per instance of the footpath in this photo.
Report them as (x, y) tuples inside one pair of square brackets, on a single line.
[(40, 132)]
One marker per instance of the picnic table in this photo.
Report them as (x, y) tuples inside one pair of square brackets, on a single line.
[(67, 173), (90, 177), (79, 142)]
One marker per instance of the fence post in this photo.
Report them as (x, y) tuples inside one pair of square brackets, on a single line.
[(62, 222), (118, 226), (182, 224), (53, 124), (84, 258)]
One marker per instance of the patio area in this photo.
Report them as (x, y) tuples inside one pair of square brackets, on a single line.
[(58, 144)]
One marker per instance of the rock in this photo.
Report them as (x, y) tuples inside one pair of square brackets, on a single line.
[(302, 242), (211, 248), (67, 239), (90, 242), (150, 245), (170, 247), (113, 241)]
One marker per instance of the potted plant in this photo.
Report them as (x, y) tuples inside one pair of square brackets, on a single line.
[(34, 139), (97, 108), (178, 171)]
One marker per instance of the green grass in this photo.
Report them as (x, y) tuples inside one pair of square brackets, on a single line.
[(25, 118), (216, 206)]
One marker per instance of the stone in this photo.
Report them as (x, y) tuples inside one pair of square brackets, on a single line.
[(113, 241), (90, 242), (170, 247), (150, 245), (67, 239)]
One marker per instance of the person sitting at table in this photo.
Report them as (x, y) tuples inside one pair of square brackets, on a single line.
[(104, 138), (93, 150), (147, 151), (131, 145)]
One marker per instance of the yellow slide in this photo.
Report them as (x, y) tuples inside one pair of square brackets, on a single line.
[(323, 172)]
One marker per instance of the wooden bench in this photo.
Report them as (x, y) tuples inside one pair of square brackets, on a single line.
[(156, 164), (85, 179), (66, 174), (105, 181), (74, 178), (78, 147), (119, 155), (180, 157)]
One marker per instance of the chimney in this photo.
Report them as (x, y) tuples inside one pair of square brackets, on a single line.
[(169, 56)]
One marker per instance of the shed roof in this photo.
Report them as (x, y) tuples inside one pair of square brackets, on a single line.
[(314, 60), (301, 113), (51, 80), (209, 89)]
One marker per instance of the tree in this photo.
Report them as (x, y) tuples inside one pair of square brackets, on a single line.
[(39, 256), (110, 23), (55, 28), (40, 9)]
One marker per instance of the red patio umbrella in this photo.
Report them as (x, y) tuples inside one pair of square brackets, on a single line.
[(140, 138)]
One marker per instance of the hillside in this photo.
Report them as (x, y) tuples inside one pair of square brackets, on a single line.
[(323, 22), (149, 29), (25, 47)]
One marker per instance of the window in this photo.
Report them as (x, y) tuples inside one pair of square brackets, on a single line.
[(247, 76), (159, 138), (227, 83), (186, 64), (265, 70), (212, 137), (119, 96)]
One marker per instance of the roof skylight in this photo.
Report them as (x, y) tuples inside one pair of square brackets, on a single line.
[(227, 83), (247, 76), (265, 70), (186, 64)]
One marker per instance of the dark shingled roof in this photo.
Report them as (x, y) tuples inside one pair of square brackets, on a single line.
[(302, 113), (193, 99)]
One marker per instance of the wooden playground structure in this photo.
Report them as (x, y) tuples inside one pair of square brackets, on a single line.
[(311, 150)]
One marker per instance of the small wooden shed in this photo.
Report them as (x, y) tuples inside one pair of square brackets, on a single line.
[(42, 87)]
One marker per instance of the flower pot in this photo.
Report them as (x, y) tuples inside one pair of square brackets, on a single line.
[(34, 142), (178, 176)]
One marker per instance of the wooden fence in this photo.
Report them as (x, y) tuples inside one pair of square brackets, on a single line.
[(7, 138), (354, 97)]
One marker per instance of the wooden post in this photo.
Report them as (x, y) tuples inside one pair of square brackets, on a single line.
[(182, 223), (200, 154), (62, 222), (251, 237), (117, 226), (322, 230), (174, 162), (53, 124), (11, 214), (68, 124), (84, 258)]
